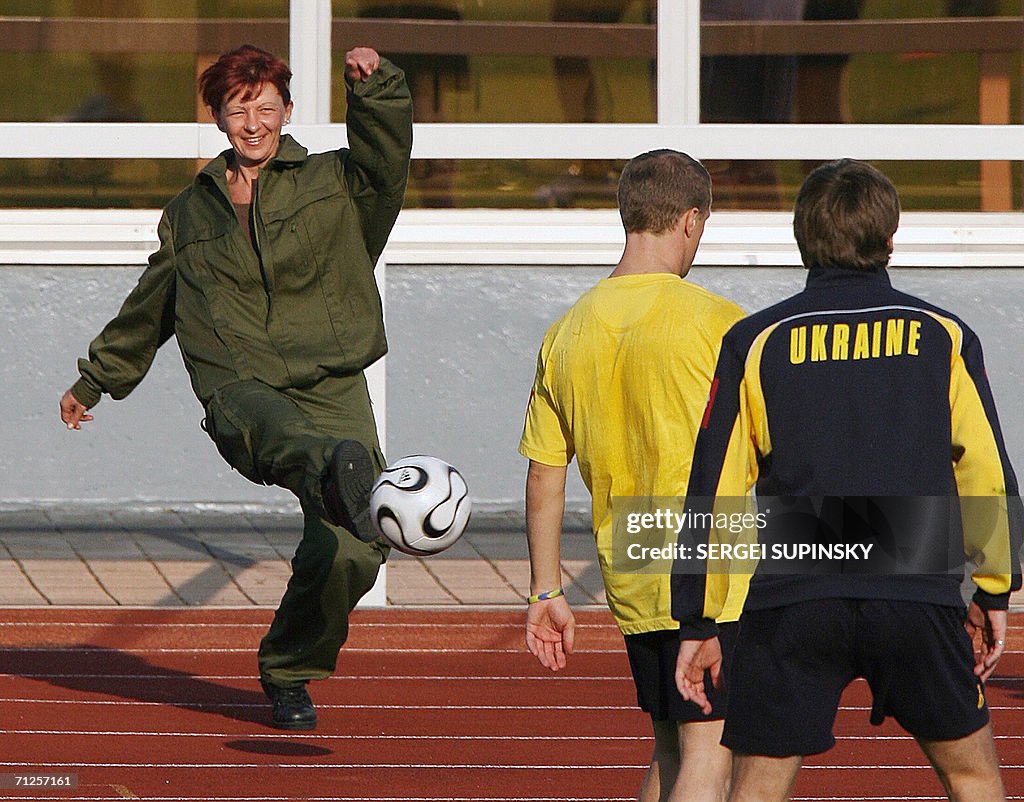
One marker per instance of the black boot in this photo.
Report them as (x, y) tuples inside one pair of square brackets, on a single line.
[(346, 489), (292, 707)]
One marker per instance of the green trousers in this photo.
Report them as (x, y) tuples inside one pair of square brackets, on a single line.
[(285, 438)]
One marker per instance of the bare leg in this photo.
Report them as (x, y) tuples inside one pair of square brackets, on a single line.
[(688, 765), (757, 778), (664, 762), (968, 767), (706, 765)]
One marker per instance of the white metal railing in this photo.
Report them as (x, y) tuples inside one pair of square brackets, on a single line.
[(72, 237), (542, 141)]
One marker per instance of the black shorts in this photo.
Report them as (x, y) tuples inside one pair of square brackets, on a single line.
[(652, 658), (791, 665)]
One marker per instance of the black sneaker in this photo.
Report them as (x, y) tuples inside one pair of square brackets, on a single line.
[(292, 707), (346, 489)]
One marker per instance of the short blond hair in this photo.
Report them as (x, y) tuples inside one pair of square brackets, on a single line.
[(659, 187)]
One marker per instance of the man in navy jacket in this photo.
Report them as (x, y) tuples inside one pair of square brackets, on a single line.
[(869, 422)]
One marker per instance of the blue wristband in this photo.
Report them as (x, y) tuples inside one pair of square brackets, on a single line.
[(551, 594)]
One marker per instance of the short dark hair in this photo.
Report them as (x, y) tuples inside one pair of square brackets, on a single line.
[(845, 215), (247, 67), (659, 187)]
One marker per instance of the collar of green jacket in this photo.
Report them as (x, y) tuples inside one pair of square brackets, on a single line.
[(289, 153)]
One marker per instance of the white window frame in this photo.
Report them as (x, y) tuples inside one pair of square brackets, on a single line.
[(957, 237), (677, 126)]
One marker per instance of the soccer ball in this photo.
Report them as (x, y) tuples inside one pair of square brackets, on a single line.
[(420, 504)]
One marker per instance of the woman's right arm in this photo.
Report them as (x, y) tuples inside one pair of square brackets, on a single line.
[(122, 353)]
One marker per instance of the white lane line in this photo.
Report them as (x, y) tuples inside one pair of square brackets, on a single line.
[(858, 798), (880, 766), (861, 798), (327, 706), (249, 650), (313, 736), (911, 738), (364, 677), (356, 624), (90, 648), (133, 625), (401, 737), (474, 798), (64, 766), (344, 766)]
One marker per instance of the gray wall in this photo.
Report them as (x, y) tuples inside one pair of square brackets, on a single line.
[(464, 347), (463, 351), (148, 447)]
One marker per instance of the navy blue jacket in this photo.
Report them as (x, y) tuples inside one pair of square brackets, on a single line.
[(869, 410)]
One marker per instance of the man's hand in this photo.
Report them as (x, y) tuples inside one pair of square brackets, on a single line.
[(695, 657), (361, 63), (991, 626), (550, 630), (73, 411)]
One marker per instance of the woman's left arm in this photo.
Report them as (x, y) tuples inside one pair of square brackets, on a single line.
[(379, 125)]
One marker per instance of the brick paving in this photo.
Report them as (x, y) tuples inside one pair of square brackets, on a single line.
[(194, 557), (197, 556)]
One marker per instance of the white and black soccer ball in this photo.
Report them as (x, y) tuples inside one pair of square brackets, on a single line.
[(420, 504)]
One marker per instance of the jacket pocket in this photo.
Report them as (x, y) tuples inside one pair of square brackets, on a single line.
[(302, 202), (232, 437)]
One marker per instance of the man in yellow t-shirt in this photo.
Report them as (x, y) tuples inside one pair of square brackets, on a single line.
[(622, 381)]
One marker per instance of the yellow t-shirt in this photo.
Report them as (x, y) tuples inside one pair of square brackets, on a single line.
[(622, 383)]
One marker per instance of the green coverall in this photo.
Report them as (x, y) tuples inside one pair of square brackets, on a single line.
[(275, 334)]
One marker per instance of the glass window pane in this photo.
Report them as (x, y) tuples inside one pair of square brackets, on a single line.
[(923, 185), (563, 65), (921, 61), (738, 185), (513, 183), (122, 60), (518, 183), (92, 183)]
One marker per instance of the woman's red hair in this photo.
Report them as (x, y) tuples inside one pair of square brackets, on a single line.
[(245, 68)]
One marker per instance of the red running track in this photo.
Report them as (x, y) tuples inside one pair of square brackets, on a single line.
[(426, 705)]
